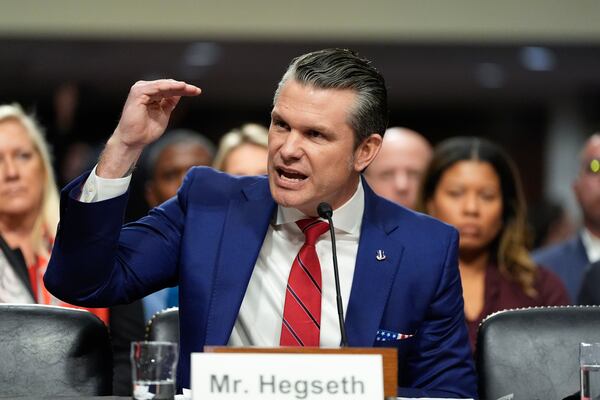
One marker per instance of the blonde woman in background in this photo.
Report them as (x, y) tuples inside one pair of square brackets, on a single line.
[(28, 210), (243, 151)]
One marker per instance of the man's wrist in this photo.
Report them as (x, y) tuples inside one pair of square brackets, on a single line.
[(117, 159)]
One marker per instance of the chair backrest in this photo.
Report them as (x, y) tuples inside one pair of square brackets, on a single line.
[(534, 353), (53, 351), (164, 326)]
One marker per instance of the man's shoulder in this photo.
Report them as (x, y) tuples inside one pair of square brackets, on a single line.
[(208, 184), (548, 255), (410, 225)]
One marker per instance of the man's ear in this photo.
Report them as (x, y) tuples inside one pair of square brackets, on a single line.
[(366, 151)]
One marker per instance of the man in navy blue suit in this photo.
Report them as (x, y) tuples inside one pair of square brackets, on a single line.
[(569, 259), (231, 242)]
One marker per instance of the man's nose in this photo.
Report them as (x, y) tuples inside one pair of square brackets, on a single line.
[(401, 181), (292, 146)]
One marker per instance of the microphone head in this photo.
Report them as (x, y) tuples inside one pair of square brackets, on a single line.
[(324, 210)]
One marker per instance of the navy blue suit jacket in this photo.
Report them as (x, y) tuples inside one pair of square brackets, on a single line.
[(207, 240), (568, 260), (589, 294)]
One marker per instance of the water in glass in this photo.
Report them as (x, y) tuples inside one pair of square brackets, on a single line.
[(590, 382), (155, 390)]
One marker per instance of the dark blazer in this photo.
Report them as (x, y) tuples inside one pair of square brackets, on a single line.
[(568, 260), (589, 294), (207, 240)]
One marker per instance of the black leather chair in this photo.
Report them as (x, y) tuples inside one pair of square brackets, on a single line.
[(164, 326), (53, 351), (534, 353)]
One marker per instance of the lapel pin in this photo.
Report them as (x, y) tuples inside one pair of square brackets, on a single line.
[(380, 255)]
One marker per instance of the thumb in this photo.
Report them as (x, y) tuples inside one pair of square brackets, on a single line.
[(169, 103)]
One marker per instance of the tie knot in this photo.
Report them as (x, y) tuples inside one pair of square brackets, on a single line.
[(312, 229)]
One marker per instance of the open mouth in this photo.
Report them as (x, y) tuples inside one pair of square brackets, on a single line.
[(290, 176)]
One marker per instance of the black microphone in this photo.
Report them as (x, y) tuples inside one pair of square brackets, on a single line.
[(324, 210)]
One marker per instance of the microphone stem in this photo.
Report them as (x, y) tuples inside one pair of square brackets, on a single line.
[(340, 307)]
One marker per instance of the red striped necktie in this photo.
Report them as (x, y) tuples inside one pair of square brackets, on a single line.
[(302, 310)]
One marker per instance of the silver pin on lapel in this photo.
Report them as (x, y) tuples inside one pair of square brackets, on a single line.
[(380, 255)]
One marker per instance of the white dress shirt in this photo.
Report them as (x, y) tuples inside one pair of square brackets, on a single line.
[(591, 244), (259, 320), (261, 313)]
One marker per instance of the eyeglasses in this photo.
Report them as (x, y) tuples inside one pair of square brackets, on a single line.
[(592, 167)]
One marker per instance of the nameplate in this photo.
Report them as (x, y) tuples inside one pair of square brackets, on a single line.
[(286, 376)]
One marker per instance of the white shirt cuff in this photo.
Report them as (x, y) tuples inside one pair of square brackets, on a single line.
[(98, 189)]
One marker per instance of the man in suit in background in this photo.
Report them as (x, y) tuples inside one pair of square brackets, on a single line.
[(589, 294), (398, 169), (570, 258), (164, 165), (246, 251)]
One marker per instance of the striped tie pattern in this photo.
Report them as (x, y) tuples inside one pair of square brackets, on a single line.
[(302, 310)]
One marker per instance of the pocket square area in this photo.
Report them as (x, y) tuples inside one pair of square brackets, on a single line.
[(390, 336)]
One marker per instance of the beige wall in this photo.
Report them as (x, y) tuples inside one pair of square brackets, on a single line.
[(395, 20)]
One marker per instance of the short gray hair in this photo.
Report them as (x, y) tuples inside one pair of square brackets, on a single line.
[(344, 69)]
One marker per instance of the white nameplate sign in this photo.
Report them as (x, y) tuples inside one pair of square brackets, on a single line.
[(252, 376)]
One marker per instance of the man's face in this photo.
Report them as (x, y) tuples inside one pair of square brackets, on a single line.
[(311, 148), (398, 169), (587, 185), (172, 164)]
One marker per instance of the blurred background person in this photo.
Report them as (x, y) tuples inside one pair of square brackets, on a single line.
[(170, 158), (164, 166), (473, 185), (550, 223), (28, 210), (28, 218), (243, 151), (569, 258), (398, 169)]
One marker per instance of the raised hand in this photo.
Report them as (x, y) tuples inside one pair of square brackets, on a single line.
[(144, 119)]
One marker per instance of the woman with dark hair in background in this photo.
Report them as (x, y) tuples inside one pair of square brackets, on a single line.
[(472, 184)]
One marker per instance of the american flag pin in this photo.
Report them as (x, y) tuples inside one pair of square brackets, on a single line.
[(380, 256)]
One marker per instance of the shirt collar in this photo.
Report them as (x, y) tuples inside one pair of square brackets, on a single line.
[(591, 244), (347, 218)]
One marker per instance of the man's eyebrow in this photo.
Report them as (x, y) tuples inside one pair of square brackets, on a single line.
[(322, 129), (318, 128)]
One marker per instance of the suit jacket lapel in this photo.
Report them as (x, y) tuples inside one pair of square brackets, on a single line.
[(373, 278), (244, 231)]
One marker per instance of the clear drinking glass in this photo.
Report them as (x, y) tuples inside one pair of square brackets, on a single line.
[(589, 364), (153, 369)]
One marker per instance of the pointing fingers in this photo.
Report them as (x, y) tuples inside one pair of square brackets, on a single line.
[(154, 91)]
